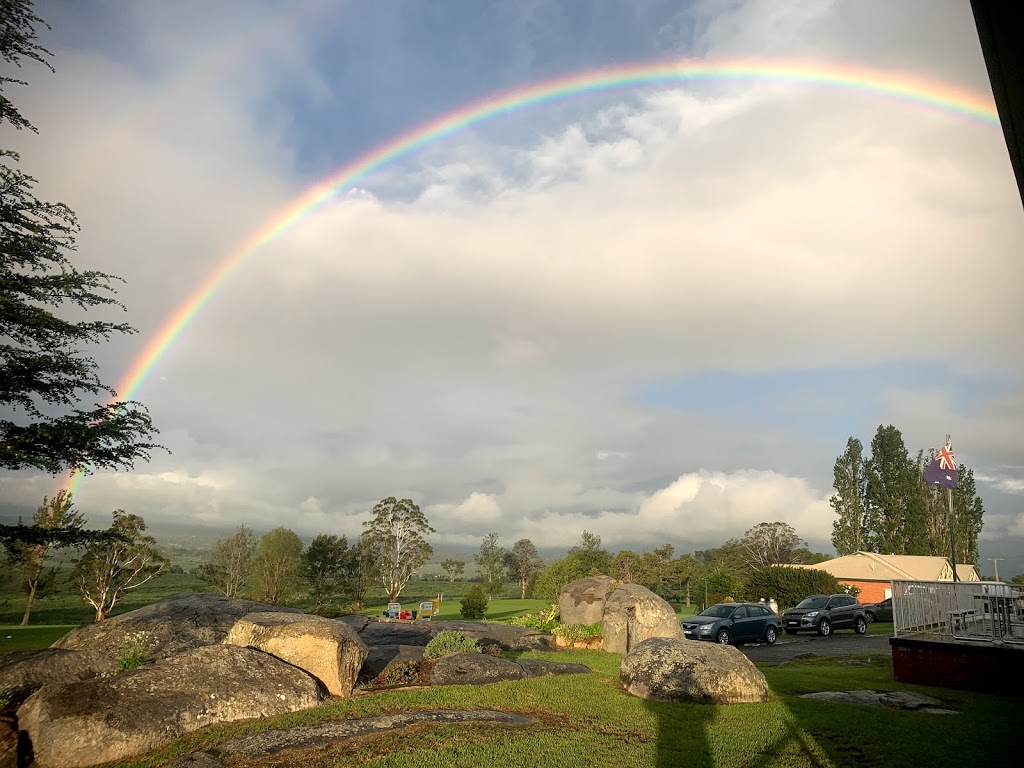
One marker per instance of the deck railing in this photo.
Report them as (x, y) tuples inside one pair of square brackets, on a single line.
[(986, 611)]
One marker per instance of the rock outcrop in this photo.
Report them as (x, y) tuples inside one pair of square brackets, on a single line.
[(691, 671), (633, 614), (96, 721), (24, 672), (583, 601), (329, 650), (509, 638), (473, 669), (380, 657), (168, 627)]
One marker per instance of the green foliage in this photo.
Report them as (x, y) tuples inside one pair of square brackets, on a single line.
[(138, 646), (277, 566), (523, 562), (1018, 579), (328, 565), (848, 534), (542, 622), (449, 641), (125, 561), (401, 673), (396, 542), (490, 561), (230, 569), (474, 603), (493, 649), (575, 633), (43, 369), (789, 585), (586, 558), (454, 568)]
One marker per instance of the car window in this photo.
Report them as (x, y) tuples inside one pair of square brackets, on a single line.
[(813, 602), (764, 611), (846, 601), (887, 603), (741, 612), (717, 612)]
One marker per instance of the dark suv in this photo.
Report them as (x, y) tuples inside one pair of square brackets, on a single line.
[(824, 613)]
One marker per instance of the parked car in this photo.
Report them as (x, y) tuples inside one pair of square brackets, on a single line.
[(825, 613), (733, 623), (879, 611)]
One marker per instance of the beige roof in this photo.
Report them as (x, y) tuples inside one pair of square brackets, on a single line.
[(870, 566)]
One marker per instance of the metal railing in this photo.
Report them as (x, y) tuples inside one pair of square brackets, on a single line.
[(987, 611)]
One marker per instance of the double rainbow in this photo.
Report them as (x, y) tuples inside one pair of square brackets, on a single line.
[(912, 90)]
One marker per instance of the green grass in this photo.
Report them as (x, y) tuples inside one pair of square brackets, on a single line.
[(18, 638), (587, 720), (497, 609)]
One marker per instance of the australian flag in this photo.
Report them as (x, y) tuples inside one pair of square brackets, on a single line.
[(941, 470)]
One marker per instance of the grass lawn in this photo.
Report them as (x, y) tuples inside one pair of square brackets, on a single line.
[(587, 720), (497, 609), (17, 638)]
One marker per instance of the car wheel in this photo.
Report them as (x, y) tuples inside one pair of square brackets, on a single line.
[(722, 637), (790, 631), (771, 635), (870, 617), (825, 628), (860, 626)]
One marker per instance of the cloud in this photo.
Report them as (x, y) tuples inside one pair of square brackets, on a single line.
[(470, 326)]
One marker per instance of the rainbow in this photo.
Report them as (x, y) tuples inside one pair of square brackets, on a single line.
[(893, 85)]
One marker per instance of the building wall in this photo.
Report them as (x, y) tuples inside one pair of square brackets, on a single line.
[(870, 591), (998, 669)]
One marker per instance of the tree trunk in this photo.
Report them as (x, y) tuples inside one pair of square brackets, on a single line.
[(522, 588), (100, 614), (28, 603)]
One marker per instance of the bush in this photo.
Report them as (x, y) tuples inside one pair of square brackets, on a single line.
[(542, 622), (474, 603), (403, 673), (789, 585), (493, 649), (449, 641), (574, 633)]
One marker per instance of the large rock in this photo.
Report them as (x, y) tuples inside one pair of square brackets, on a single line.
[(510, 638), (691, 671), (96, 721), (582, 601), (473, 669), (538, 668), (24, 672), (329, 650), (633, 614), (168, 627)]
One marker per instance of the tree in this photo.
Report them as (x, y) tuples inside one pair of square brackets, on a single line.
[(490, 561), (626, 566), (848, 501), (230, 570), (770, 544), (327, 565), (29, 559), (523, 561), (1018, 579), (363, 570), (125, 560), (397, 536), (277, 566), (590, 556), (896, 515), (43, 371), (454, 568)]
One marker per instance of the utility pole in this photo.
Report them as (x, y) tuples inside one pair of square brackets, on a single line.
[(995, 562)]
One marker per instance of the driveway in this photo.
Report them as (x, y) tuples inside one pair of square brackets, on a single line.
[(842, 644)]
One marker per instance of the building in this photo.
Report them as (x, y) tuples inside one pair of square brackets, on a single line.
[(871, 572)]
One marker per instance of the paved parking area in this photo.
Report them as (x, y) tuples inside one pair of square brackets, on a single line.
[(840, 644)]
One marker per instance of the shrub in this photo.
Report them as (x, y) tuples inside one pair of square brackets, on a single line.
[(493, 649), (403, 673), (574, 633), (789, 585), (474, 603), (542, 622), (449, 641)]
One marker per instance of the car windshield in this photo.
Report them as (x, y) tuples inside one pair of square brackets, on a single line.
[(718, 611), (813, 602)]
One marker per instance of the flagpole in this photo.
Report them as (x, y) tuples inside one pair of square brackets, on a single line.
[(952, 526)]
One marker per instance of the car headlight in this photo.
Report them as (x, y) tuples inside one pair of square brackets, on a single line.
[(811, 615)]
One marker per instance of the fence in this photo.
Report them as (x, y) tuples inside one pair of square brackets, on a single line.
[(985, 611)]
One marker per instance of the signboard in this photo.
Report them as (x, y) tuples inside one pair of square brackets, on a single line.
[(426, 610), (394, 609)]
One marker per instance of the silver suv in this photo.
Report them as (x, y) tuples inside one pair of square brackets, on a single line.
[(825, 613)]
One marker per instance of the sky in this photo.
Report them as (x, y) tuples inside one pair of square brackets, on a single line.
[(655, 313)]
